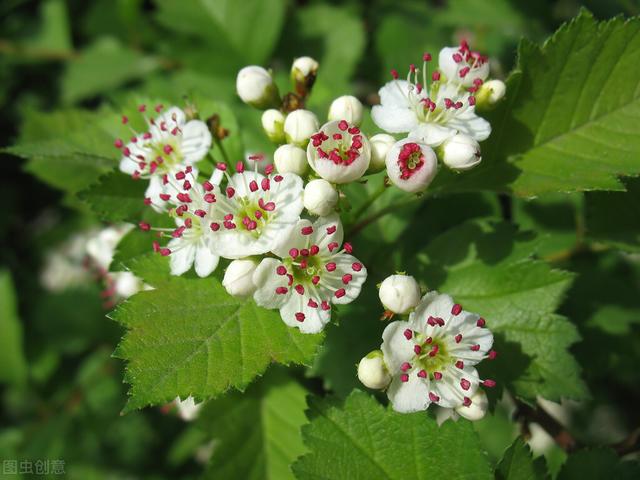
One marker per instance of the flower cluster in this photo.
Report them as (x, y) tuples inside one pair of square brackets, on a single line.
[(430, 357)]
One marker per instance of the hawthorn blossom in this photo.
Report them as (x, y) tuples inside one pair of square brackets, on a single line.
[(255, 213), (312, 273), (411, 165), (170, 143), (431, 357), (429, 109), (339, 152), (463, 66)]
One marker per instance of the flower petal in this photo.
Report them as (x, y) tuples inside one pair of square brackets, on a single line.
[(294, 240), (410, 396), (431, 133), (344, 266), (471, 124), (312, 320), (394, 119), (205, 261), (182, 256), (196, 141), (396, 348), (267, 280), (321, 236)]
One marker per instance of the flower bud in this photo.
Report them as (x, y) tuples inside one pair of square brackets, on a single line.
[(126, 284), (303, 75), (489, 94), (460, 152), (478, 407), (380, 146), (291, 159), (339, 152), (273, 125), (238, 278), (320, 198), (346, 108), (372, 371), (462, 67), (411, 165), (188, 409), (299, 126), (399, 293), (255, 86)]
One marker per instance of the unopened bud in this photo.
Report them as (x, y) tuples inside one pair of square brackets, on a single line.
[(299, 126), (320, 198), (346, 108), (238, 278), (399, 293), (303, 75), (460, 152), (478, 407), (489, 94), (188, 409), (372, 371), (380, 146), (256, 87), (273, 125), (291, 159)]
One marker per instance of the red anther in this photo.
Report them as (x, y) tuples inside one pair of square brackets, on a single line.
[(265, 184), (147, 201), (281, 290), (394, 73), (209, 198), (465, 384), (343, 125), (300, 289), (457, 57), (426, 57), (304, 252), (312, 303), (144, 226), (458, 338), (437, 375), (433, 397), (408, 334), (347, 247), (481, 322), (435, 76), (165, 252), (294, 252), (268, 169), (325, 305), (456, 309), (300, 317), (180, 176), (167, 149), (200, 213), (278, 178), (404, 378), (356, 266), (331, 230), (330, 267), (142, 108), (230, 192), (240, 167), (156, 246), (118, 143), (281, 270), (466, 402), (315, 279), (306, 230), (459, 364), (475, 348), (125, 119), (489, 383), (314, 249), (412, 68), (340, 293), (346, 278), (207, 185), (472, 100), (253, 185), (417, 349), (422, 374), (492, 355), (214, 226)]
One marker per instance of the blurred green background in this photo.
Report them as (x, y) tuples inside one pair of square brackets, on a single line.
[(60, 390)]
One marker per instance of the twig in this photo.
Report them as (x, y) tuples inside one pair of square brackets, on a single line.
[(555, 429)]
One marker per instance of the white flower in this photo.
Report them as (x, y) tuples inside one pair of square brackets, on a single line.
[(346, 108), (380, 146), (475, 411), (256, 87), (291, 159), (299, 126), (339, 152), (320, 198), (188, 409), (304, 66), (411, 165), (461, 65), (125, 284), (399, 293), (312, 273), (460, 152), (102, 246), (490, 93), (429, 111), (431, 357), (238, 278), (256, 213), (170, 144), (273, 124), (372, 371)]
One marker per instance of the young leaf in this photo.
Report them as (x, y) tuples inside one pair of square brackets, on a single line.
[(488, 270), (363, 440), (14, 365), (517, 464), (189, 337), (257, 433)]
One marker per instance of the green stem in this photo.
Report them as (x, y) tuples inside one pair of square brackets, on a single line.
[(358, 227), (224, 153), (364, 207)]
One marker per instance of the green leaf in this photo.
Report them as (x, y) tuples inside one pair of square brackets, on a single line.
[(613, 218), (101, 67), (489, 270), (517, 464), (596, 464), (567, 123), (262, 424), (116, 197), (189, 337), (14, 364), (55, 33), (363, 440)]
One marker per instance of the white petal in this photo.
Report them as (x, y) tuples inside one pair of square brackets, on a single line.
[(182, 256), (449, 389), (432, 304), (394, 119), (395, 346), (196, 141), (447, 64), (410, 396), (128, 165), (267, 280), (321, 237), (432, 134), (294, 240), (352, 289), (471, 124), (315, 318), (206, 261), (153, 191), (395, 94), (173, 117)]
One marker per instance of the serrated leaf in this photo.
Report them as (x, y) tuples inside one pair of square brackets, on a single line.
[(489, 270), (12, 359), (261, 424), (517, 464), (189, 337), (363, 440), (567, 123), (116, 197), (596, 464)]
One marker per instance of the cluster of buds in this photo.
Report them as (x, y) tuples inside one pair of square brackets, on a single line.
[(429, 358)]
